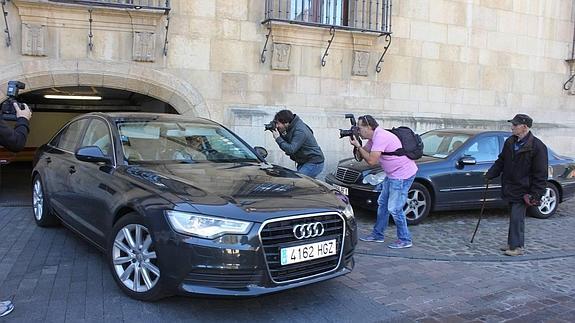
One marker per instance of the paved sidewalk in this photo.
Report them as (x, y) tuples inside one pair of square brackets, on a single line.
[(447, 235), (54, 276)]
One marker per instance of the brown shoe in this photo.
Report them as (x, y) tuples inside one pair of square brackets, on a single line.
[(514, 252), (504, 248)]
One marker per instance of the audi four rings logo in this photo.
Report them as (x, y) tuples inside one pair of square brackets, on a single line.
[(308, 230)]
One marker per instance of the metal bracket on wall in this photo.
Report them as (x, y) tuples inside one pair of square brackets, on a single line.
[(263, 54), (388, 41), (569, 84), (166, 37), (325, 54), (6, 30), (90, 35)]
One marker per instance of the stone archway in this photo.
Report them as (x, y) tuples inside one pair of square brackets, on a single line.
[(135, 77)]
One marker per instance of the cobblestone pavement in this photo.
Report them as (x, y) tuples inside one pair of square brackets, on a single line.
[(55, 276), (447, 235)]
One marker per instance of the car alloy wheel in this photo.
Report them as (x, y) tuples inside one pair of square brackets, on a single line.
[(417, 205), (41, 205), (134, 258), (38, 200), (549, 203)]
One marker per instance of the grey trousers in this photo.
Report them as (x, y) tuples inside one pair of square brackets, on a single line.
[(516, 235)]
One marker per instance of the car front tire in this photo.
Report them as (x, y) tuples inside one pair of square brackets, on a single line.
[(133, 259), (549, 203), (418, 204), (41, 206)]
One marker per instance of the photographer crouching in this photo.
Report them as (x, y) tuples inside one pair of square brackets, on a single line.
[(14, 140), (296, 139)]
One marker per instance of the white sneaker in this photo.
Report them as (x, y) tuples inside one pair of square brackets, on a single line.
[(6, 307)]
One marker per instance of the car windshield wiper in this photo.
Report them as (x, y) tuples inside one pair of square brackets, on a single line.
[(234, 160)]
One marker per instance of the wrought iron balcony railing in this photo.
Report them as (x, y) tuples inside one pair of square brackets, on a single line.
[(128, 4), (360, 15)]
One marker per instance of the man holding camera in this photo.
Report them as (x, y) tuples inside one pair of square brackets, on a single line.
[(296, 139), (400, 173), (523, 167), (14, 140)]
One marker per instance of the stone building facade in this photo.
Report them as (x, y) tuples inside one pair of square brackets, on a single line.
[(450, 63)]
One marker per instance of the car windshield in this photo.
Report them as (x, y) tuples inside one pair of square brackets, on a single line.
[(180, 142), (440, 144)]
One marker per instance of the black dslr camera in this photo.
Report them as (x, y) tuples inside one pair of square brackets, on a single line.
[(353, 131), (8, 110), (270, 126)]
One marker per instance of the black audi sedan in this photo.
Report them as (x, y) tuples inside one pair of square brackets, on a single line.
[(184, 206), (450, 176)]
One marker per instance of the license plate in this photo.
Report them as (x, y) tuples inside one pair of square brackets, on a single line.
[(307, 252), (342, 189)]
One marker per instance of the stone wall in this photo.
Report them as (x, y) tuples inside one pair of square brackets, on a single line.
[(456, 63)]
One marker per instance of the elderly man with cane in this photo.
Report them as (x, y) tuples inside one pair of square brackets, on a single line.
[(522, 165)]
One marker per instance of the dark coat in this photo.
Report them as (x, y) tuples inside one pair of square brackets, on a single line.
[(523, 171), (300, 144), (14, 139)]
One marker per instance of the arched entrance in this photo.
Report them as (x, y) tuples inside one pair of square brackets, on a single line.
[(135, 87), (134, 77)]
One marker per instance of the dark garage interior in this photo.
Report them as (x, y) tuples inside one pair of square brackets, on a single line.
[(51, 109)]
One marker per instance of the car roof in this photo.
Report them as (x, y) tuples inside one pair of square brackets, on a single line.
[(124, 116), (470, 132)]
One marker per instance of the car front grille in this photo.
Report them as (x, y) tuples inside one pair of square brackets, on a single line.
[(347, 175), (278, 234), (224, 278)]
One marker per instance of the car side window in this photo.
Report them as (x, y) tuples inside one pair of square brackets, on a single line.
[(485, 149), (98, 135), (68, 138)]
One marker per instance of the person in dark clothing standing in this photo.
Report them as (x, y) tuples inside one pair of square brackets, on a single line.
[(522, 165), (14, 140), (296, 139)]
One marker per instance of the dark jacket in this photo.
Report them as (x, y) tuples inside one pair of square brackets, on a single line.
[(14, 139), (524, 171), (300, 144)]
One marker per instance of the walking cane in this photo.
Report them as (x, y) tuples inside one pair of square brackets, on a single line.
[(482, 208)]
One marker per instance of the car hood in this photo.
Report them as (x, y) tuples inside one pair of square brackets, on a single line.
[(363, 166), (252, 187)]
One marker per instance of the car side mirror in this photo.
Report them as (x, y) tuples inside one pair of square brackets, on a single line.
[(466, 160), (92, 154), (261, 151)]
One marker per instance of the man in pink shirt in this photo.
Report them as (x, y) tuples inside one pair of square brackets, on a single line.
[(400, 171)]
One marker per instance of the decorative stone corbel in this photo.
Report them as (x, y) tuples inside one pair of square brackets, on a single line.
[(33, 39), (281, 56), (144, 46), (360, 63)]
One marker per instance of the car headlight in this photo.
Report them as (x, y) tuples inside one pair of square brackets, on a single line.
[(374, 179), (204, 226), (348, 212)]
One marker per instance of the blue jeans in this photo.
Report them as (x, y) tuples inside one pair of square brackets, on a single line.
[(309, 169), (391, 200)]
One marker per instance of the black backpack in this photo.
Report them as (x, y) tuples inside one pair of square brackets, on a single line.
[(411, 143)]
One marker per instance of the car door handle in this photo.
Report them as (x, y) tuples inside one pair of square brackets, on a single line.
[(48, 160), (72, 169)]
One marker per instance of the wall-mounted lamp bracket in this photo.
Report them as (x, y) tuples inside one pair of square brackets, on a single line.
[(325, 54), (388, 43), (90, 35), (263, 54), (7, 29)]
